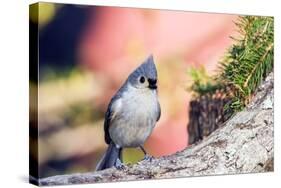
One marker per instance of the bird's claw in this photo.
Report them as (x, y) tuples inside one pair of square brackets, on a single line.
[(119, 165), (148, 157)]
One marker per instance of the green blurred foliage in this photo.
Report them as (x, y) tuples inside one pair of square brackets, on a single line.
[(132, 155), (202, 83)]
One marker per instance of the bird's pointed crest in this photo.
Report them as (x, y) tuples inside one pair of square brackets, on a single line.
[(147, 68)]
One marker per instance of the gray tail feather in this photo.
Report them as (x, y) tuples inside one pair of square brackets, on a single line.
[(109, 158)]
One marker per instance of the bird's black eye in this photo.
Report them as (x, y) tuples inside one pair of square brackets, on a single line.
[(142, 79)]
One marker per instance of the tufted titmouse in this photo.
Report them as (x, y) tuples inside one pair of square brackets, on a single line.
[(131, 115)]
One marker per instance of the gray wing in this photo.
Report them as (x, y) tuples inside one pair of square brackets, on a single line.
[(109, 115), (108, 118), (158, 111)]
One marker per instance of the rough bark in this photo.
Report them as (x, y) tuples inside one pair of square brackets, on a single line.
[(243, 145)]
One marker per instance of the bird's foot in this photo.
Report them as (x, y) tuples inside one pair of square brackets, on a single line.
[(119, 165), (148, 157)]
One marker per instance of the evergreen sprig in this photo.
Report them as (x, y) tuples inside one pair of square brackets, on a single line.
[(249, 60)]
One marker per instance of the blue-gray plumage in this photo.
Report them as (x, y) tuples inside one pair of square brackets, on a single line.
[(132, 114)]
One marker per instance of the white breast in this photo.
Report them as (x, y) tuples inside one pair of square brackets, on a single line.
[(136, 119), (142, 101)]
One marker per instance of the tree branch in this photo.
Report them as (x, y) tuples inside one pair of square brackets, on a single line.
[(243, 145)]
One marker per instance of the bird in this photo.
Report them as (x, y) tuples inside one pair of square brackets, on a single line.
[(131, 115)]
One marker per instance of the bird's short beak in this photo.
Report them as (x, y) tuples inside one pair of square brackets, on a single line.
[(152, 83)]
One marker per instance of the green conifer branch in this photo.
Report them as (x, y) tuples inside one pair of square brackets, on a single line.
[(247, 62)]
